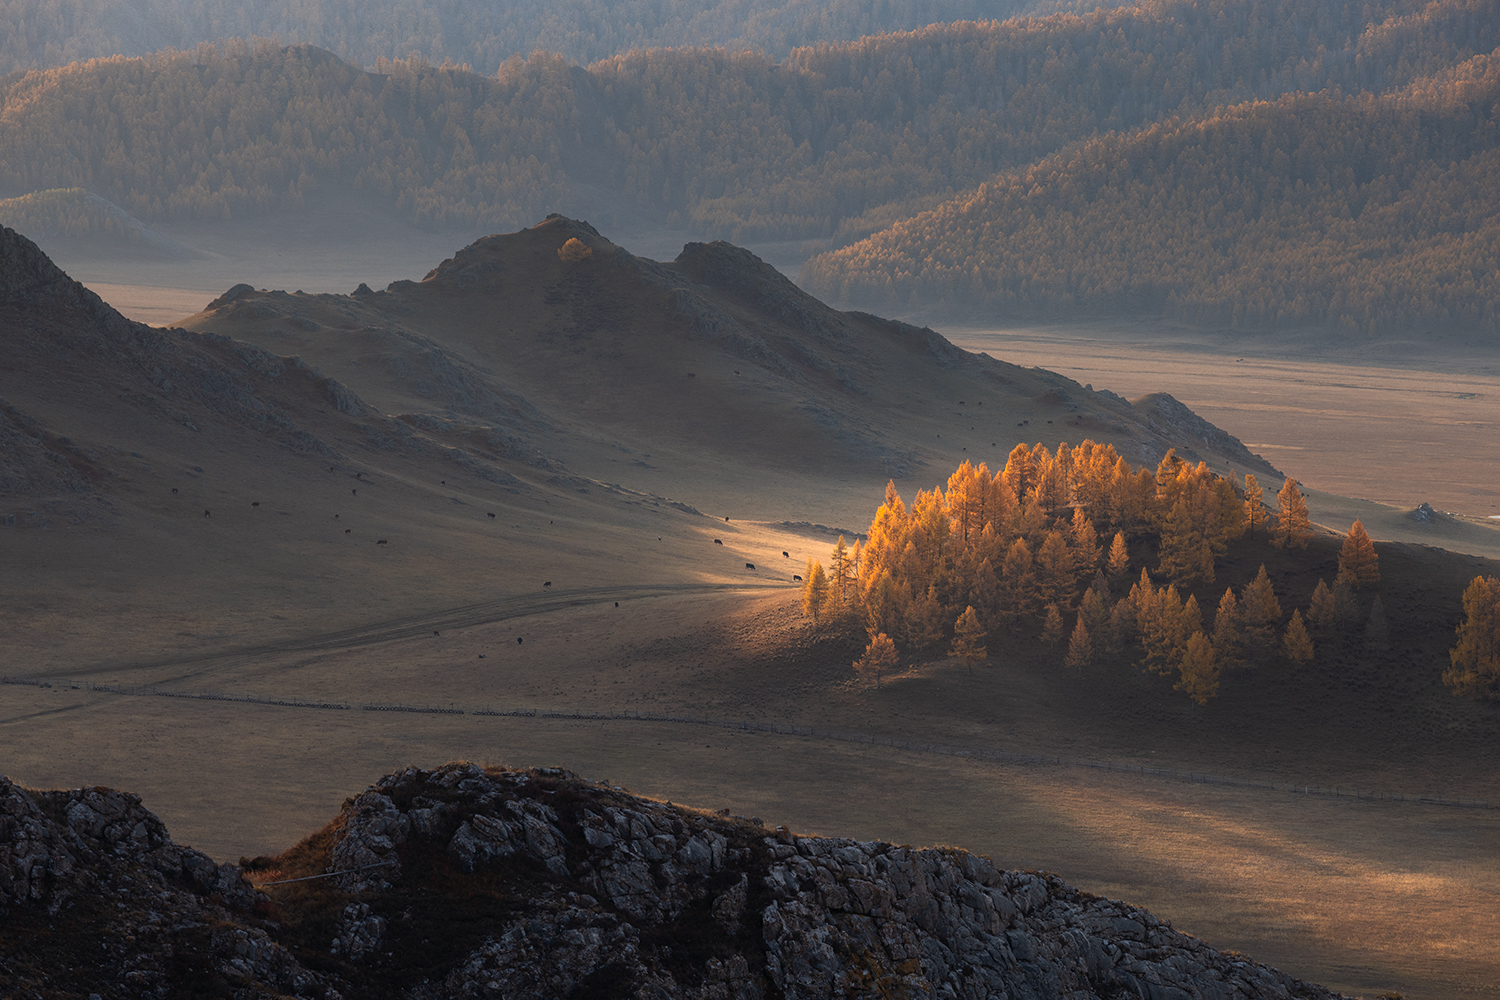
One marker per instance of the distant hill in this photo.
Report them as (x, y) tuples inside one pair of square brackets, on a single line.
[(1369, 214), (834, 142), (483, 36)]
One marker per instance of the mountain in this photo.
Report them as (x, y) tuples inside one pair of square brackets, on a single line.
[(441, 31), (474, 426), (721, 143), (1367, 214), (465, 881), (714, 360)]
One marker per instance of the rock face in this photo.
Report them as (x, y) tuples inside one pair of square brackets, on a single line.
[(557, 887)]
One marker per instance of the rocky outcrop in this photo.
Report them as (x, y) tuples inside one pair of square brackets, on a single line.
[(587, 890)]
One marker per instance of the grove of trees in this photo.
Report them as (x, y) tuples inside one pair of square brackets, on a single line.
[(1042, 550)]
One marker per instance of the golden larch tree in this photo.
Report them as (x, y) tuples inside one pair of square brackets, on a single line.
[(1255, 504), (968, 639), (880, 658), (1261, 612), (1052, 626), (1228, 636), (1297, 643), (1080, 646), (814, 589), (1293, 523), (1320, 610), (1198, 670), (1358, 559), (1475, 670), (1119, 557)]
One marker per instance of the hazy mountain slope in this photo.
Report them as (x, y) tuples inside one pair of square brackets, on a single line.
[(1367, 214), (468, 882), (729, 145), (480, 35), (714, 358)]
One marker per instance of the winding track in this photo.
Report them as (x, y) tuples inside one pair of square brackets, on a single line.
[(467, 616)]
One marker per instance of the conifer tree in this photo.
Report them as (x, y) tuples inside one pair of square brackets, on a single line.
[(1255, 506), (968, 639), (1228, 634), (814, 589), (1052, 628), (1358, 559), (1085, 545), (1261, 612), (1017, 580), (1320, 610), (1198, 670), (838, 574), (926, 621), (1080, 647), (1192, 616), (1297, 643), (880, 658), (1377, 631), (1054, 570), (1345, 605), (1179, 561), (1293, 523), (1163, 634), (1119, 557), (1475, 670)]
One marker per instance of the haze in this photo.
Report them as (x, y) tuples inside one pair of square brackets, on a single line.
[(495, 364)]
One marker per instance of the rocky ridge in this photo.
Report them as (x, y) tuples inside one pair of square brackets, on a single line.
[(485, 882)]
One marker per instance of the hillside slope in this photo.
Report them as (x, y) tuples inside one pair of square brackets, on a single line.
[(711, 366), (1362, 214), (468, 882), (727, 144)]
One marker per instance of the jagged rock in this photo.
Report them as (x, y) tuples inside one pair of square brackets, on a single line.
[(585, 889)]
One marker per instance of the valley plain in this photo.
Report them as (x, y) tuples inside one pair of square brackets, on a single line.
[(140, 594)]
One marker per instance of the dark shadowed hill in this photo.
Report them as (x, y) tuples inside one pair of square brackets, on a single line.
[(635, 371), (533, 885)]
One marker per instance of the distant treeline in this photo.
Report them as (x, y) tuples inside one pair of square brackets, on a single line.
[(835, 142), (47, 33), (1364, 213)]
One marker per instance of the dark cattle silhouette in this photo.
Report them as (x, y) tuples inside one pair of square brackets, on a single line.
[(547, 584), (348, 530), (444, 482), (335, 517), (726, 520), (716, 541), (736, 371), (481, 656), (796, 578), (617, 604), (355, 492), (174, 489), (786, 553), (381, 541), (255, 503), (436, 632), (749, 565), (518, 640), (491, 515), (205, 513), (359, 475)]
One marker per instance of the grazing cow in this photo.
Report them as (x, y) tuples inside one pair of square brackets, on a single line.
[(547, 584), (355, 492), (518, 640), (255, 503), (205, 513), (381, 541), (335, 517), (359, 475), (726, 520), (174, 491), (481, 656), (348, 530), (491, 515), (436, 632), (786, 553), (749, 565), (444, 482), (617, 604), (796, 578), (717, 542), (736, 371)]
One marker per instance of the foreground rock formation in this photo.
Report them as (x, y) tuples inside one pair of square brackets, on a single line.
[(473, 882)]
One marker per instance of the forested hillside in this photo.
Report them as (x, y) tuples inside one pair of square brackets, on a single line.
[(46, 33), (834, 142), (1365, 213)]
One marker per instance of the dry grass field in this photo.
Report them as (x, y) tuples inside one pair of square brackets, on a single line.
[(647, 614)]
